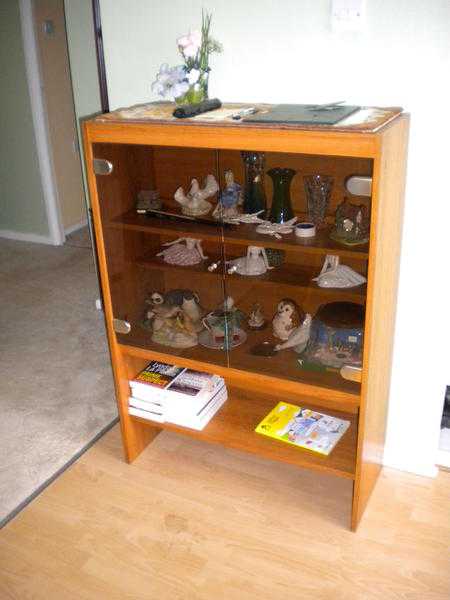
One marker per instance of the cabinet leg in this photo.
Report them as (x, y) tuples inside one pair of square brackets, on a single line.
[(136, 437)]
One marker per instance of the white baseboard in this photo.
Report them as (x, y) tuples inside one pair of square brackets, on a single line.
[(75, 227), (26, 237), (422, 469), (443, 458)]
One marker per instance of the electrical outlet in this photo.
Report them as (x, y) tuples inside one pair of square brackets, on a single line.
[(348, 15)]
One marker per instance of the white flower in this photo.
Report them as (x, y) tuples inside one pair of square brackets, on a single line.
[(170, 82), (193, 76)]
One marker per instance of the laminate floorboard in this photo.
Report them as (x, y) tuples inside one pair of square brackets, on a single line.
[(194, 521)]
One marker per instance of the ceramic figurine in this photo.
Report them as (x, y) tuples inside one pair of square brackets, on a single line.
[(181, 303), (248, 218), (229, 200), (183, 251), (352, 224), (277, 230), (287, 318), (223, 327), (256, 318), (148, 200), (194, 203), (298, 338), (255, 263), (334, 275)]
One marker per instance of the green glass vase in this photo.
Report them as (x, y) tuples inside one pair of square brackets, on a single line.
[(254, 194), (281, 209)]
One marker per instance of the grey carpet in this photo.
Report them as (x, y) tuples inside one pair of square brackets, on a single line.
[(56, 389)]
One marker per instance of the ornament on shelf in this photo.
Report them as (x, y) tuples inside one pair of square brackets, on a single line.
[(256, 318), (183, 251), (277, 230), (335, 275), (281, 209), (318, 193), (352, 223), (289, 316), (299, 336), (223, 327), (254, 263), (229, 199), (254, 194), (194, 203), (148, 200), (174, 318)]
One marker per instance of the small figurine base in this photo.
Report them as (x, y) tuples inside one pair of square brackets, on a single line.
[(207, 339), (334, 235)]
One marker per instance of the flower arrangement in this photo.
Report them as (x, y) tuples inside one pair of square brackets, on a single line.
[(188, 83)]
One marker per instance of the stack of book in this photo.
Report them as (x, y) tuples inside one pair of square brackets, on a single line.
[(168, 393)]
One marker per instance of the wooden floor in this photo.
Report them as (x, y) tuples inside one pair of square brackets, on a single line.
[(194, 521)]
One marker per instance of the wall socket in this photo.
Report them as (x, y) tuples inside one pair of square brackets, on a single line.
[(348, 15)]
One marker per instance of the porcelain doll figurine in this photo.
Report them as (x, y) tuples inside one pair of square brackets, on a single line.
[(255, 263), (194, 202), (229, 200), (287, 318), (183, 251), (298, 338), (335, 275)]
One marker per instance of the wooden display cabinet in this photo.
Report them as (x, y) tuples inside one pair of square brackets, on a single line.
[(164, 155)]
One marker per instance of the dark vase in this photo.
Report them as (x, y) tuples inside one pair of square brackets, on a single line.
[(281, 210), (254, 194)]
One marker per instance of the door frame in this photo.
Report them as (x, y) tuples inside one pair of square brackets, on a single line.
[(56, 236)]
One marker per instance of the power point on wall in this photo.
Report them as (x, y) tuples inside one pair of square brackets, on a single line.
[(348, 15), (98, 304)]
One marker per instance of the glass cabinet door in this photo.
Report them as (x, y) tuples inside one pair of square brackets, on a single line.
[(271, 275), (164, 297)]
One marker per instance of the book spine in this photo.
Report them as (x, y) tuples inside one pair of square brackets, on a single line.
[(145, 414)]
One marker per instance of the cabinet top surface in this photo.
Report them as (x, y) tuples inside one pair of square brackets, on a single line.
[(365, 120)]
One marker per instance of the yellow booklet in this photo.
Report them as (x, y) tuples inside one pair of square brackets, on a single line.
[(303, 427)]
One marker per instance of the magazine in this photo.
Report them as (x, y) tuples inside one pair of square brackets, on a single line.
[(303, 427)]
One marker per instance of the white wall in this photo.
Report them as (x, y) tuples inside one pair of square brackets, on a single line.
[(285, 52)]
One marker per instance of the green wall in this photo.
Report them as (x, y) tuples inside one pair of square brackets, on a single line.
[(22, 205)]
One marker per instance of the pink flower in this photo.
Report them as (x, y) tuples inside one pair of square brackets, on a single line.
[(189, 44)]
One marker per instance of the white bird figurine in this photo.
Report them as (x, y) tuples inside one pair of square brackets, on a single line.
[(335, 275), (194, 202)]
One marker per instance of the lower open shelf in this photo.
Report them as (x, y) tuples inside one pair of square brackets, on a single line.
[(233, 426)]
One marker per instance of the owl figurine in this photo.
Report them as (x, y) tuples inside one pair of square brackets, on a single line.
[(289, 316)]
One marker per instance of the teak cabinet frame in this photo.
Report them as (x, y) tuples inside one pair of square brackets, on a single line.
[(360, 456)]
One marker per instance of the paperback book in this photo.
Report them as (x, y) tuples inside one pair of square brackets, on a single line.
[(303, 427), (162, 383)]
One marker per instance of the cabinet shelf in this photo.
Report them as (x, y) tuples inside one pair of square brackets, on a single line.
[(234, 424), (242, 234), (326, 389), (287, 275)]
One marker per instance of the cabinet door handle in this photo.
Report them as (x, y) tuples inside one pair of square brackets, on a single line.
[(121, 326), (102, 166)]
